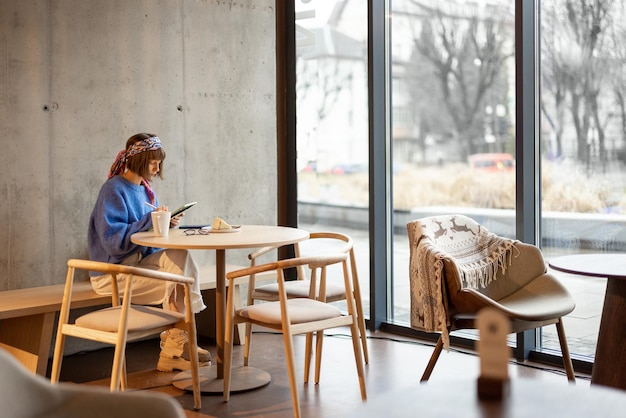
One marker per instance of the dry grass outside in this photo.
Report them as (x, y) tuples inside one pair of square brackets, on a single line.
[(567, 189), (453, 185), (564, 189)]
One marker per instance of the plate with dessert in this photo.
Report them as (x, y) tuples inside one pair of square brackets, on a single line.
[(221, 226)]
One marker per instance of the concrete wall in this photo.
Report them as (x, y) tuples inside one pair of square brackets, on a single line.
[(78, 77)]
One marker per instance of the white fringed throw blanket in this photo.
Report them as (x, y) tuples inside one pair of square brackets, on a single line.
[(477, 253)]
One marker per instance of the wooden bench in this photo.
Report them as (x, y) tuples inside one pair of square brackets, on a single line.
[(27, 316)]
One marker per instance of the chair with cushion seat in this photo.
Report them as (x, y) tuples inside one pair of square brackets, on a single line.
[(24, 394), (458, 267), (318, 243), (292, 316), (123, 322)]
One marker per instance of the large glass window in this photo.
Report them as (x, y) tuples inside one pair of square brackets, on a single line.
[(451, 75), (583, 147), (332, 122), (453, 100)]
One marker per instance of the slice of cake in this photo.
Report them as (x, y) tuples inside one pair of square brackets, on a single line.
[(219, 223)]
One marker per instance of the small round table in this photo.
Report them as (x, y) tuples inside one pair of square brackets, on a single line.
[(609, 366), (248, 236), (528, 398)]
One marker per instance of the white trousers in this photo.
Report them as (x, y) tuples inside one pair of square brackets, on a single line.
[(155, 292)]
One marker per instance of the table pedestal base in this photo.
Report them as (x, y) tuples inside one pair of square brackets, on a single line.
[(242, 379), (608, 368)]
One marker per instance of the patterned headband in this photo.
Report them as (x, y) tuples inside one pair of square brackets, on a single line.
[(119, 166)]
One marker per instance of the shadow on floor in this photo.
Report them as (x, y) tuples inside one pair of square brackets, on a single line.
[(396, 364)]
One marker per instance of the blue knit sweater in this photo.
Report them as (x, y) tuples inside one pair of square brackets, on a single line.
[(119, 212)]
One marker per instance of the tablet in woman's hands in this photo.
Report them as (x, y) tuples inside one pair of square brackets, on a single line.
[(183, 208)]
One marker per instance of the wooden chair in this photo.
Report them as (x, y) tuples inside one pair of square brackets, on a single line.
[(319, 243), (293, 316), (524, 292), (123, 322)]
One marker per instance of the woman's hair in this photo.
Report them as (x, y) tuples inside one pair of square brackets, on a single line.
[(140, 163)]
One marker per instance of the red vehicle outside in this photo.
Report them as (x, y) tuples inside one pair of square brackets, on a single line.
[(492, 162)]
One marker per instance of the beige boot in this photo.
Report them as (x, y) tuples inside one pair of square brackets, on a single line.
[(175, 351)]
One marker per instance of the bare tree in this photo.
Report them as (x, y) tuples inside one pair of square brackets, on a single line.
[(577, 53), (327, 76), (467, 53), (552, 70)]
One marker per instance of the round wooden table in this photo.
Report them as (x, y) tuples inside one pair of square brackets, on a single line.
[(248, 236), (527, 398), (609, 367)]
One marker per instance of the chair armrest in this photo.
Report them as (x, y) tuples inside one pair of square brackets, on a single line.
[(250, 271), (261, 251), (312, 262), (109, 268)]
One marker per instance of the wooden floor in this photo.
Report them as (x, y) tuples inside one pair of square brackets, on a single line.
[(396, 364)]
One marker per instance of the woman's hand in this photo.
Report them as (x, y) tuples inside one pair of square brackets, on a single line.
[(176, 220)]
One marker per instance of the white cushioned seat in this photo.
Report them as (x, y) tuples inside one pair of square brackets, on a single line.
[(140, 318), (300, 310)]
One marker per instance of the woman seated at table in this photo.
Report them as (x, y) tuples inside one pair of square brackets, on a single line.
[(120, 211)]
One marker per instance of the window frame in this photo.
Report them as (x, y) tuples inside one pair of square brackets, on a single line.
[(528, 169)]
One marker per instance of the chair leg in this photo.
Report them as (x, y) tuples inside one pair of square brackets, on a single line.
[(433, 360), (118, 367), (361, 323), (319, 339), (195, 365), (567, 361), (123, 376), (307, 356), (228, 354), (57, 359), (356, 345), (246, 346), (241, 327), (359, 306), (291, 370)]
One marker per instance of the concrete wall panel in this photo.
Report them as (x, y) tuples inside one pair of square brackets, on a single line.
[(24, 127), (78, 77)]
